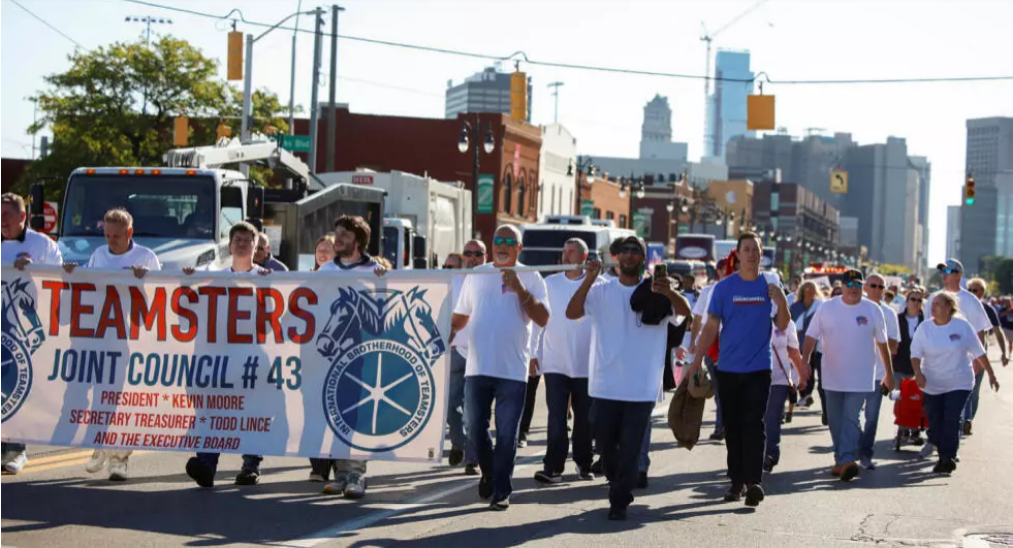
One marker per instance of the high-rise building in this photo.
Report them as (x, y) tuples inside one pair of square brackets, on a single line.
[(486, 91), (656, 133), (986, 228), (924, 168), (726, 112), (952, 231)]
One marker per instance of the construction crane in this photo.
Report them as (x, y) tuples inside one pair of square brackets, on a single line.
[(708, 38), (555, 93)]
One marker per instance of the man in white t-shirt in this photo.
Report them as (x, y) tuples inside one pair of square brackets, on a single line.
[(627, 362), (21, 247), (875, 287), (461, 450), (351, 240), (853, 331), (952, 273), (121, 252), (202, 468), (500, 309), (564, 353)]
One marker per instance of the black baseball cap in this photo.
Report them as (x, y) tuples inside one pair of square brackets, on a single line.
[(853, 276), (630, 240)]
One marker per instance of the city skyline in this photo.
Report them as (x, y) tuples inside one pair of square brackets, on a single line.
[(602, 110)]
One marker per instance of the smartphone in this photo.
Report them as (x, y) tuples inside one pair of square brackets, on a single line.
[(660, 270)]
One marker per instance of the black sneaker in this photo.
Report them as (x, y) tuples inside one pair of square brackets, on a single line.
[(617, 514), (248, 477), (642, 480), (543, 476), (471, 470), (522, 441), (719, 434), (917, 440), (456, 457), (823, 419), (950, 466), (787, 417), (754, 495), (485, 487), (584, 473), (596, 467), (734, 494), (500, 505), (768, 464), (200, 472)]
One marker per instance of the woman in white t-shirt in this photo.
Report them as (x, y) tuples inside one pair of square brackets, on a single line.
[(941, 355), (783, 381)]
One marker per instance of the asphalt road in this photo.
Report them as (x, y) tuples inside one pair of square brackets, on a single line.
[(54, 503)]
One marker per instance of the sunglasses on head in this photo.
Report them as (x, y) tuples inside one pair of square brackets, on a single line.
[(875, 286), (630, 250), (473, 253), (499, 240), (854, 284)]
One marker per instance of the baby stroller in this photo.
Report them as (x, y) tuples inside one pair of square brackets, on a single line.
[(909, 414)]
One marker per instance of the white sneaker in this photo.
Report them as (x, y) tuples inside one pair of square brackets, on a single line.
[(317, 478), (337, 487), (867, 463), (118, 468), (356, 488), (926, 450), (14, 461), (97, 462)]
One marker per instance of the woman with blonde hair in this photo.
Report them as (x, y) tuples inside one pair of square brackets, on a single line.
[(941, 357), (807, 300)]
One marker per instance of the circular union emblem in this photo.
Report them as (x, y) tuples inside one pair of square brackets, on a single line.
[(16, 376), (378, 395)]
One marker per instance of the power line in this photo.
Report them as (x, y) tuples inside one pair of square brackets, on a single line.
[(48, 24), (762, 76)]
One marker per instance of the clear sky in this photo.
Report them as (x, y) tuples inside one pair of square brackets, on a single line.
[(789, 40)]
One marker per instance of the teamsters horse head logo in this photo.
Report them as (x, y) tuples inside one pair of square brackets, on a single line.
[(382, 345), (22, 334)]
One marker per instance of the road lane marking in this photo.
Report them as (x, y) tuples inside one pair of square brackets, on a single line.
[(38, 461)]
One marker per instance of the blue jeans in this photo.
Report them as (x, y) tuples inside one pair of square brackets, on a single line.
[(971, 407), (559, 390), (250, 462), (772, 420), (456, 419), (619, 428), (873, 403), (480, 392), (712, 370), (944, 412), (844, 410)]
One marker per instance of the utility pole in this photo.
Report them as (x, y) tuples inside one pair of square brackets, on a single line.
[(291, 87), (148, 20), (555, 93), (314, 92), (332, 114)]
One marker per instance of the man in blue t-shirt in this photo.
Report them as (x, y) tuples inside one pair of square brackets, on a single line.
[(741, 308)]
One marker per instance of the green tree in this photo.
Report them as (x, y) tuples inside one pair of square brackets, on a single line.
[(115, 106), (893, 270)]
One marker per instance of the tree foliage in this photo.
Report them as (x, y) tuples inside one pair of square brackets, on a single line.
[(116, 104), (893, 270)]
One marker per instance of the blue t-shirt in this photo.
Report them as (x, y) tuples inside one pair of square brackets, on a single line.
[(745, 311)]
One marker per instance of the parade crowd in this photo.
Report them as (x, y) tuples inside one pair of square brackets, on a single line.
[(610, 340)]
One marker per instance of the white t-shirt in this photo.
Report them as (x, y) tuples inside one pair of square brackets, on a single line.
[(135, 255), (892, 334), (565, 344), (849, 333), (970, 308), (41, 249), (946, 352), (912, 325), (628, 357), (367, 264), (782, 341), (500, 330), (463, 336)]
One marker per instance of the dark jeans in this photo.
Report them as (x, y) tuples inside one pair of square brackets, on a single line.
[(480, 392), (971, 407), (712, 369), (944, 414), (321, 467), (13, 447), (744, 399), (772, 420), (529, 404), (816, 381), (559, 389), (250, 462), (619, 427)]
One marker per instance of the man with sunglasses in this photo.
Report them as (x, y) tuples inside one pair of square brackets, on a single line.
[(500, 311), (875, 288), (852, 330), (263, 257), (977, 288), (461, 448), (973, 310), (627, 360)]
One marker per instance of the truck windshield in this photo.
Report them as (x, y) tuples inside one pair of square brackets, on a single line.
[(162, 206), (555, 239)]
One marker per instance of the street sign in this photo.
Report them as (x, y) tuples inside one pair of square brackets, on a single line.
[(638, 223), (49, 210), (485, 193), (838, 182), (295, 143), (587, 208)]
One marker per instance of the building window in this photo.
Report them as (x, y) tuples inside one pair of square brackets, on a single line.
[(507, 192), (553, 191), (622, 221), (597, 213), (609, 215), (521, 188)]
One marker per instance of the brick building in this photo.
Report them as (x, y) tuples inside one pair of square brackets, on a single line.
[(427, 146), (601, 200), (789, 209)]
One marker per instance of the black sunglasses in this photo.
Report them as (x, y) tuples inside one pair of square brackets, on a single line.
[(473, 253), (915, 299), (875, 286), (630, 249), (499, 240)]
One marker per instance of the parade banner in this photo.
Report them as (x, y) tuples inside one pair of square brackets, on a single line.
[(330, 365)]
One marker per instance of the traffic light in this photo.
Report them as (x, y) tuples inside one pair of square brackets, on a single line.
[(235, 59), (969, 191), (180, 128), (518, 96)]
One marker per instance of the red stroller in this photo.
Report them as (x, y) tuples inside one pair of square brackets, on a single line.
[(909, 413)]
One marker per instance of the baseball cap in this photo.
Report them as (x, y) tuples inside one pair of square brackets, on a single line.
[(951, 264), (630, 240), (853, 276)]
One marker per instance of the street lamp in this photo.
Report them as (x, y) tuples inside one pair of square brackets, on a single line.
[(583, 166), (670, 207), (469, 133)]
